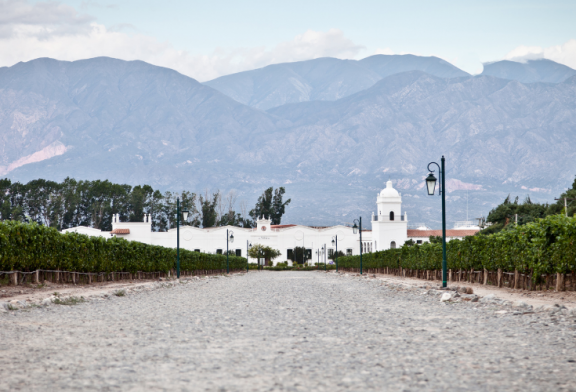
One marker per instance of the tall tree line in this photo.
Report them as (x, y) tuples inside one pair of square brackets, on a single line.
[(92, 203), (510, 212)]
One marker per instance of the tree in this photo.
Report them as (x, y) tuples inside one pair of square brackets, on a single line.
[(258, 251), (512, 211), (270, 205), (278, 206), (410, 242), (335, 255), (558, 207), (299, 255), (155, 211), (227, 214), (188, 200), (208, 206), (435, 239), (92, 204), (139, 202)]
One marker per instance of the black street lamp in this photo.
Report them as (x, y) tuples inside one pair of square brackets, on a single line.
[(356, 231), (229, 238), (431, 186), (325, 256), (335, 243), (185, 216), (248, 246), (321, 253)]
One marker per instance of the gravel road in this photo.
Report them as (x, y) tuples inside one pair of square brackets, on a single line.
[(286, 331)]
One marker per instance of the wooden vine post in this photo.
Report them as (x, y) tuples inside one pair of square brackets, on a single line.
[(559, 282)]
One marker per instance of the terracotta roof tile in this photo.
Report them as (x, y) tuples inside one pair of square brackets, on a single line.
[(120, 231)]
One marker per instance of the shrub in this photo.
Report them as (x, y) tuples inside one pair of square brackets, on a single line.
[(545, 246), (29, 246)]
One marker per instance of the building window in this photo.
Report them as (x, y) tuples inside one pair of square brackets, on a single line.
[(290, 254), (239, 252), (218, 251), (393, 245), (419, 242), (330, 252), (391, 215), (197, 250), (308, 254), (349, 252)]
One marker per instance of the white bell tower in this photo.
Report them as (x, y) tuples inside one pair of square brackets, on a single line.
[(263, 225), (389, 226)]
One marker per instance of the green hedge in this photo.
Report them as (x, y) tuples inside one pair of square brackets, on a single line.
[(28, 247), (543, 247)]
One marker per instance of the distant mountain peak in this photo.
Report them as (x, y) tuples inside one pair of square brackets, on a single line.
[(322, 79), (529, 71)]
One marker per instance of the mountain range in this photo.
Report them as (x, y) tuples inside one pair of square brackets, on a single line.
[(330, 131), (324, 79)]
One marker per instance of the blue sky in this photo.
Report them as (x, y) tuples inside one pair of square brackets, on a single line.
[(205, 39)]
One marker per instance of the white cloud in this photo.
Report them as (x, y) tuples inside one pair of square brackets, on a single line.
[(43, 20), (58, 31), (563, 54)]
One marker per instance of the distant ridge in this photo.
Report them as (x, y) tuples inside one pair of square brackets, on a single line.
[(132, 122), (531, 71), (323, 79)]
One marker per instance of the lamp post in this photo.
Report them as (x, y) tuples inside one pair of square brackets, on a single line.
[(431, 186), (248, 246), (335, 242), (356, 231), (325, 256), (185, 216), (229, 238)]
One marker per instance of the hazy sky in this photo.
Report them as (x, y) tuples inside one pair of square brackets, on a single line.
[(206, 39)]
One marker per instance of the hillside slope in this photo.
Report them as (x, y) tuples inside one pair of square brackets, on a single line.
[(531, 71), (131, 122), (324, 79)]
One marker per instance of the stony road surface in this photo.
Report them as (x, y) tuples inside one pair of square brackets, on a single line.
[(286, 331)]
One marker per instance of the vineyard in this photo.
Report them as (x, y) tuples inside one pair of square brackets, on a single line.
[(44, 252), (539, 255)]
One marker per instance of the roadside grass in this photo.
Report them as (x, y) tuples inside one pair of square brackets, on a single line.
[(120, 293), (5, 281)]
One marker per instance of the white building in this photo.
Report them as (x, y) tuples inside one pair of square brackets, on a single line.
[(389, 226), (389, 230)]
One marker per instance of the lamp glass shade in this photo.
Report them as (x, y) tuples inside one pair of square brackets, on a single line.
[(185, 214), (333, 241), (231, 237), (355, 229), (431, 184)]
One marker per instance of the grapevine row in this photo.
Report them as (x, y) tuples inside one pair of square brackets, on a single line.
[(29, 247), (546, 246)]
